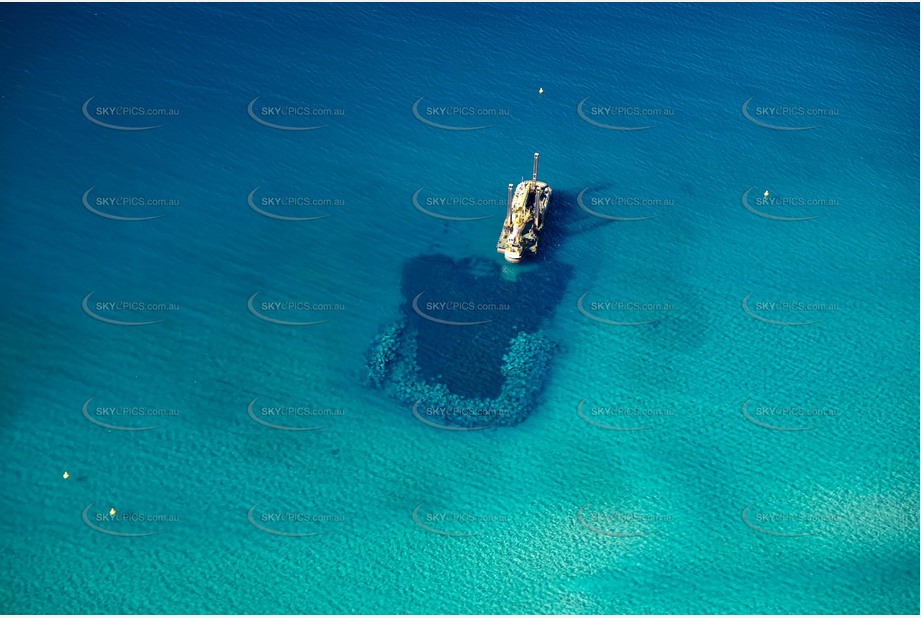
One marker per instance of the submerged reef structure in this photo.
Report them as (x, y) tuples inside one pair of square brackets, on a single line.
[(468, 350)]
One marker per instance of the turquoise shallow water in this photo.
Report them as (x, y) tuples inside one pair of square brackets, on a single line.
[(703, 510)]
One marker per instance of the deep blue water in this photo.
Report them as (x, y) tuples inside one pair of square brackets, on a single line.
[(764, 456)]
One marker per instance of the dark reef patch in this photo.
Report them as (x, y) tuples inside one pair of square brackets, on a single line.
[(468, 349)]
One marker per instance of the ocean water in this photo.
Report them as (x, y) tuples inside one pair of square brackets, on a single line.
[(731, 419)]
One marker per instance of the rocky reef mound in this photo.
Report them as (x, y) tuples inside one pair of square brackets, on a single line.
[(393, 368)]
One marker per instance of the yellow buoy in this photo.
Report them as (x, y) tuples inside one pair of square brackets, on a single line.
[(112, 511), (766, 193), (66, 475), (541, 91)]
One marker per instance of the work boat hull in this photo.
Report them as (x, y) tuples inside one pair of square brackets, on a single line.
[(522, 227)]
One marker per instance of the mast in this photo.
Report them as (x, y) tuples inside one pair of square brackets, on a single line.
[(536, 193), (508, 206)]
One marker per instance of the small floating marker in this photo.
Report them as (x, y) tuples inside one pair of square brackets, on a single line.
[(541, 91), (112, 511), (66, 474), (766, 193)]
